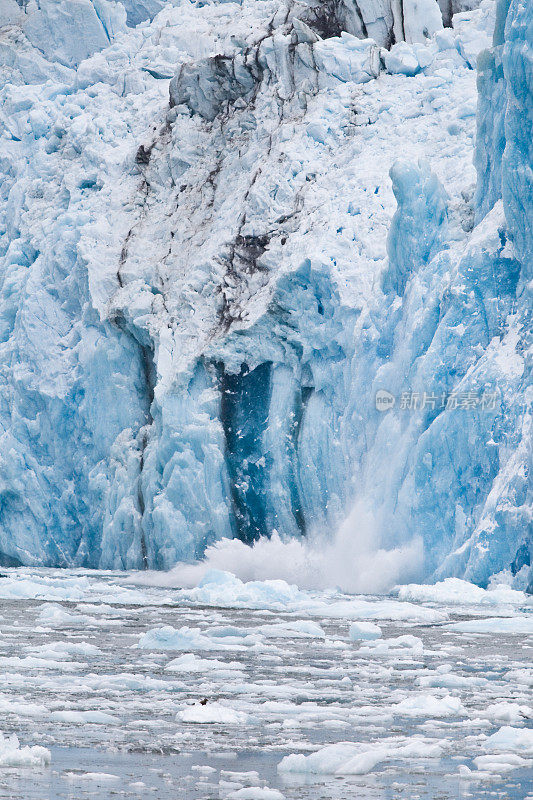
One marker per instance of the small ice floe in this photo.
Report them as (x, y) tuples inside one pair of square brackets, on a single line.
[(400, 645), (255, 793), (511, 739), (506, 712), (425, 705), (507, 749), (188, 663), (83, 717), (456, 591), (297, 629), (62, 649), (97, 777), (352, 758), (213, 713), (34, 663), (13, 755), (444, 678), (524, 677), (185, 638), (55, 615), (499, 763), (20, 707), (519, 625), (364, 630), (17, 586)]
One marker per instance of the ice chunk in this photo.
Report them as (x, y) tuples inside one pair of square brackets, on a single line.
[(213, 714), (348, 58), (82, 717), (9, 12), (400, 645), (13, 755), (255, 793), (419, 225), (54, 614), (185, 638), (425, 705), (518, 740), (297, 629), (456, 591), (506, 712), (364, 630), (192, 663), (98, 777), (505, 625), (401, 59), (500, 763), (510, 748), (20, 707), (349, 758)]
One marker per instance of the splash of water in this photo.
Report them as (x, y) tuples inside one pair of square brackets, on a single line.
[(353, 561)]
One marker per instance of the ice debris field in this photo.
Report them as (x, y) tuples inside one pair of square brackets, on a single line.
[(260, 690)]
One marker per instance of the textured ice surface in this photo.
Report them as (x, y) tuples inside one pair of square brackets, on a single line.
[(197, 305), (364, 630), (430, 709), (346, 758), (13, 755)]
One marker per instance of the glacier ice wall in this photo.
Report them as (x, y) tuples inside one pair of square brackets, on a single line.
[(207, 276)]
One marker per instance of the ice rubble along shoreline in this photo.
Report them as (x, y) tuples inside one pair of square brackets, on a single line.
[(196, 308)]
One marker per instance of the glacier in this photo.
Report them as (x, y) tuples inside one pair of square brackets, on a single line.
[(226, 230)]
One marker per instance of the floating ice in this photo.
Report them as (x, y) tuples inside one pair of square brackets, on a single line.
[(189, 662), (349, 758), (519, 624), (364, 630), (98, 777), (297, 629), (518, 740), (400, 645), (185, 638), (507, 712), (425, 705), (510, 748), (82, 717), (255, 793), (213, 713), (454, 590), (13, 755)]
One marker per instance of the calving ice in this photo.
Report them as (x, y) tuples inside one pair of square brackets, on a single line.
[(254, 257)]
